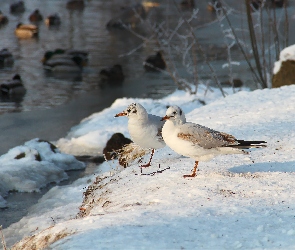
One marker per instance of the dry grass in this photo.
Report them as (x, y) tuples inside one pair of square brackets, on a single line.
[(40, 240), (130, 153), (2, 239)]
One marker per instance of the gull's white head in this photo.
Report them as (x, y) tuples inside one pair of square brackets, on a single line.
[(175, 114), (133, 110)]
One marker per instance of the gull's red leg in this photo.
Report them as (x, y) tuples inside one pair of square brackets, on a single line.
[(149, 163), (193, 174)]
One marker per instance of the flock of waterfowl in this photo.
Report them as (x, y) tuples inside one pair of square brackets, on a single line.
[(64, 60), (57, 61)]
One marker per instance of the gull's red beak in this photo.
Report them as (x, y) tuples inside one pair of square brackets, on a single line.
[(165, 118), (121, 114)]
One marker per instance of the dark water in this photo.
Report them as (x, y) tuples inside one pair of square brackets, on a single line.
[(79, 30), (86, 29), (54, 105)]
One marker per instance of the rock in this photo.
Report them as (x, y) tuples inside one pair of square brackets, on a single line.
[(286, 74), (114, 145)]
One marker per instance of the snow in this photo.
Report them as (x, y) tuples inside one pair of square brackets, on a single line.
[(287, 53), (31, 166), (235, 201)]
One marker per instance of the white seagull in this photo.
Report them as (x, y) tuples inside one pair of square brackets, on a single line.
[(145, 129), (199, 142)]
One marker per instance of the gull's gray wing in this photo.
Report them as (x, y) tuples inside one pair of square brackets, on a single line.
[(205, 137)]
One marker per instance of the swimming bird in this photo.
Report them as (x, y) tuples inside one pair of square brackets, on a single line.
[(6, 58), (53, 20), (3, 19), (112, 74), (65, 54), (64, 65), (144, 129), (199, 142), (36, 16), (18, 7), (155, 62), (13, 87), (25, 31)]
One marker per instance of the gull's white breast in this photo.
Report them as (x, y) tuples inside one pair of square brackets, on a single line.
[(145, 132)]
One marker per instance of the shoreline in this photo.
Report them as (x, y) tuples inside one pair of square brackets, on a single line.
[(51, 124)]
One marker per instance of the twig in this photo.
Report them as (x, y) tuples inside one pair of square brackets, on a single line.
[(155, 172), (202, 51)]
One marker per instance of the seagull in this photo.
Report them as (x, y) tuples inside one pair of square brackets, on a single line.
[(145, 129), (199, 142)]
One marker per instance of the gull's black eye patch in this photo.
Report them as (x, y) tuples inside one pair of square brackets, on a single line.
[(128, 110), (180, 111), (134, 111)]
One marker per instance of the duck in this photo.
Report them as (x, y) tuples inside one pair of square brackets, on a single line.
[(73, 52), (75, 5), (112, 74), (155, 62), (76, 52), (3, 19), (36, 16), (65, 54), (26, 31), (6, 58), (18, 7), (64, 65), (53, 20), (13, 87)]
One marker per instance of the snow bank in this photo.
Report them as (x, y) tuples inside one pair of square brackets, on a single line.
[(29, 167), (286, 54), (235, 202)]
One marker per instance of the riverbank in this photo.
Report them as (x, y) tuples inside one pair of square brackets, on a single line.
[(51, 124), (235, 201)]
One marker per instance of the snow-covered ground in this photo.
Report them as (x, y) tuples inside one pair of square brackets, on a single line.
[(235, 202), (31, 166)]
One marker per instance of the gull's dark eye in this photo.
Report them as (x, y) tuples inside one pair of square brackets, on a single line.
[(174, 113)]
